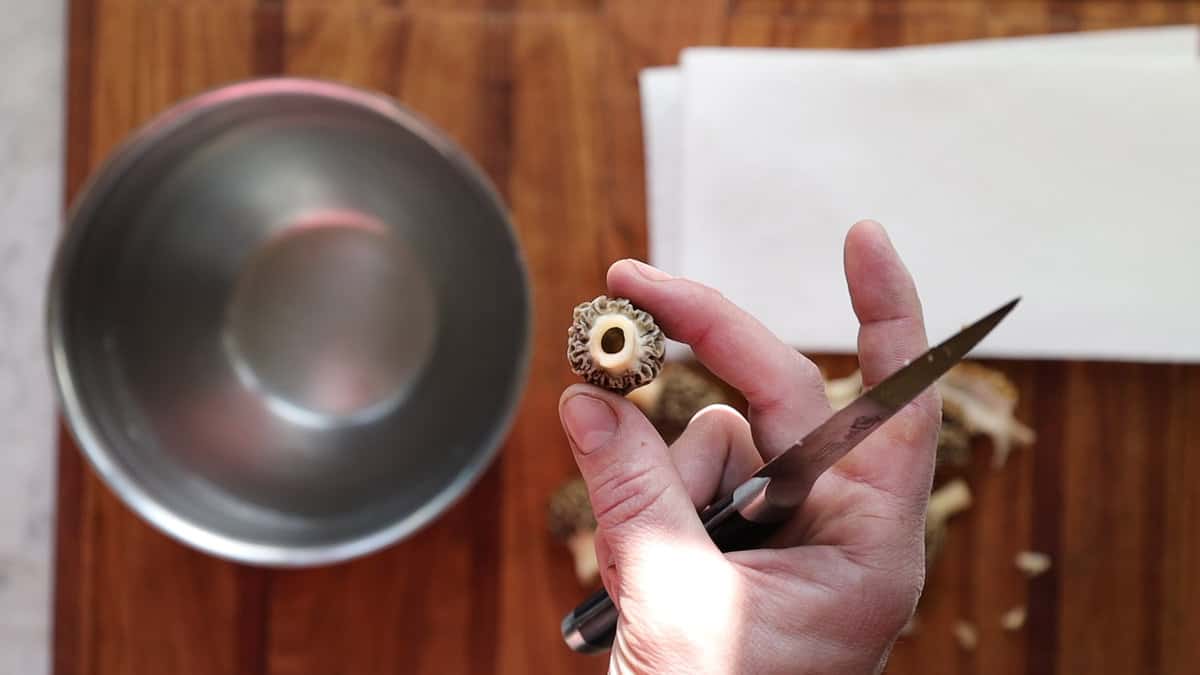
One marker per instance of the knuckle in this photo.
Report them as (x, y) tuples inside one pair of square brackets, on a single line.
[(806, 368), (710, 295), (699, 305), (808, 377)]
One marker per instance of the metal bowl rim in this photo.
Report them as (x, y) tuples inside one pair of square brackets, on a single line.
[(79, 419)]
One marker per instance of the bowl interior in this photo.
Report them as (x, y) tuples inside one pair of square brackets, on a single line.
[(290, 322)]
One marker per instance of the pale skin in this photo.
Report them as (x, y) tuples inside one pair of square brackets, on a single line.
[(831, 592)]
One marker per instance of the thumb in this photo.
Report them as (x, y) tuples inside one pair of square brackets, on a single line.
[(644, 516)]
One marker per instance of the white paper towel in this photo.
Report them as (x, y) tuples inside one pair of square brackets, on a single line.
[(784, 149), (662, 104), (1075, 185)]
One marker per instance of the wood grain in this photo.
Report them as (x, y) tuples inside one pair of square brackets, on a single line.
[(543, 94), (128, 600)]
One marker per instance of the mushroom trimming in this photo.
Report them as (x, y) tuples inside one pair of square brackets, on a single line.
[(614, 345)]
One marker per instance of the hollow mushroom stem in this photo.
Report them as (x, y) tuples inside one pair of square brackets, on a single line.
[(614, 345)]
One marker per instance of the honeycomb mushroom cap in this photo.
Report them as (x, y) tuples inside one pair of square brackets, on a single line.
[(614, 345)]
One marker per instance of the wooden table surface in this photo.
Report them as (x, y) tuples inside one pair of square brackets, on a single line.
[(544, 94)]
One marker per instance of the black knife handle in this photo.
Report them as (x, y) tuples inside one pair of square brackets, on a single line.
[(740, 521)]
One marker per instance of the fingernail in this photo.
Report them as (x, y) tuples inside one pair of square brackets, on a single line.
[(651, 273), (590, 422)]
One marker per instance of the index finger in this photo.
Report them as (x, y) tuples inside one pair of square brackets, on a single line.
[(785, 390)]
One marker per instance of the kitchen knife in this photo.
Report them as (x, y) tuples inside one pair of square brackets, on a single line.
[(757, 507)]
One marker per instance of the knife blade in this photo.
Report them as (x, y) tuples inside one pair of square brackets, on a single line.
[(758, 506)]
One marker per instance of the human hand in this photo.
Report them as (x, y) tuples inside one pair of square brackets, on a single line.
[(837, 582)]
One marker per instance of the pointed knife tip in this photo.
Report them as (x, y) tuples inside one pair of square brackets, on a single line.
[(1006, 308)]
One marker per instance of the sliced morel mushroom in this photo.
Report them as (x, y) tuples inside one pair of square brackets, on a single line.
[(614, 345), (673, 399), (572, 522)]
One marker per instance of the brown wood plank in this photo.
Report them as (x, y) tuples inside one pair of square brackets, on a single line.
[(1107, 503), (128, 599), (1048, 417), (783, 8), (543, 94), (492, 6), (71, 606), (1179, 586), (562, 208)]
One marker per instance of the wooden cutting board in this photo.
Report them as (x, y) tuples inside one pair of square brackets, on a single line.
[(544, 94)]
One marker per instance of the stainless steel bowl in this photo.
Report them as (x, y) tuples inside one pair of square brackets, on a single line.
[(289, 322)]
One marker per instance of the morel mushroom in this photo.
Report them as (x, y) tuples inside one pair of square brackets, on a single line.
[(572, 522), (673, 399), (614, 345)]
